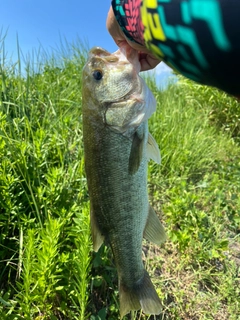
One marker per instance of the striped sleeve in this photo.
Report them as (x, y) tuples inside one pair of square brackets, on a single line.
[(198, 38)]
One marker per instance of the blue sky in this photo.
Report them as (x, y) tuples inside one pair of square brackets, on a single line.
[(43, 22)]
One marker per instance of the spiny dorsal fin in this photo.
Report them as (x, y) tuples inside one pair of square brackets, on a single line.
[(153, 151), (154, 230)]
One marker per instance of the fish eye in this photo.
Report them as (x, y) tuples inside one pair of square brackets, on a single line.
[(97, 75)]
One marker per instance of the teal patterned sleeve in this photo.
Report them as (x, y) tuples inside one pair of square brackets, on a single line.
[(198, 38)]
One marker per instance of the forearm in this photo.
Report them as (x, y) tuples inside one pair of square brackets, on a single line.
[(199, 38)]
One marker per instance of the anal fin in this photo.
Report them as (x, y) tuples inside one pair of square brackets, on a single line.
[(154, 230)]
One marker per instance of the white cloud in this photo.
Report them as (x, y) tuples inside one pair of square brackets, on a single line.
[(159, 70), (162, 67), (162, 74)]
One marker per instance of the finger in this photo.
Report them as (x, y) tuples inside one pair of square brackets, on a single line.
[(114, 29), (148, 61)]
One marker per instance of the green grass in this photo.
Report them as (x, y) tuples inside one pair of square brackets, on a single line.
[(47, 267)]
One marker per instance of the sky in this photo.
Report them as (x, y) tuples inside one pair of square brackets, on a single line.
[(43, 23)]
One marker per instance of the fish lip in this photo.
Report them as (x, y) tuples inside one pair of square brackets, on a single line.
[(98, 51), (105, 55), (124, 98)]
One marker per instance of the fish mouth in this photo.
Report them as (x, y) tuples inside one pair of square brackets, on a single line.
[(108, 57), (98, 51)]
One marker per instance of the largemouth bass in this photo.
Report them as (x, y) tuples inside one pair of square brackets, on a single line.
[(116, 106)]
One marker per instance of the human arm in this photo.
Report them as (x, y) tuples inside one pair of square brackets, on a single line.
[(147, 59), (198, 38)]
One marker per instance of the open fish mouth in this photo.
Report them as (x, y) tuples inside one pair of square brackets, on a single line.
[(98, 51), (116, 57)]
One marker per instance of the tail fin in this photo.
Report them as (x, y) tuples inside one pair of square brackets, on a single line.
[(142, 296)]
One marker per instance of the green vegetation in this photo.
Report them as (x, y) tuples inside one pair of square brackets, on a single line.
[(47, 267)]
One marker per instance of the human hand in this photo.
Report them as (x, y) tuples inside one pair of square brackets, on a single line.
[(147, 60)]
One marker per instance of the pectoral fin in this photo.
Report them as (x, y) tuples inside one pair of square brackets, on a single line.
[(97, 237), (136, 153), (154, 230), (153, 151)]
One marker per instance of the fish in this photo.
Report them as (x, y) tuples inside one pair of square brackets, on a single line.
[(116, 106)]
